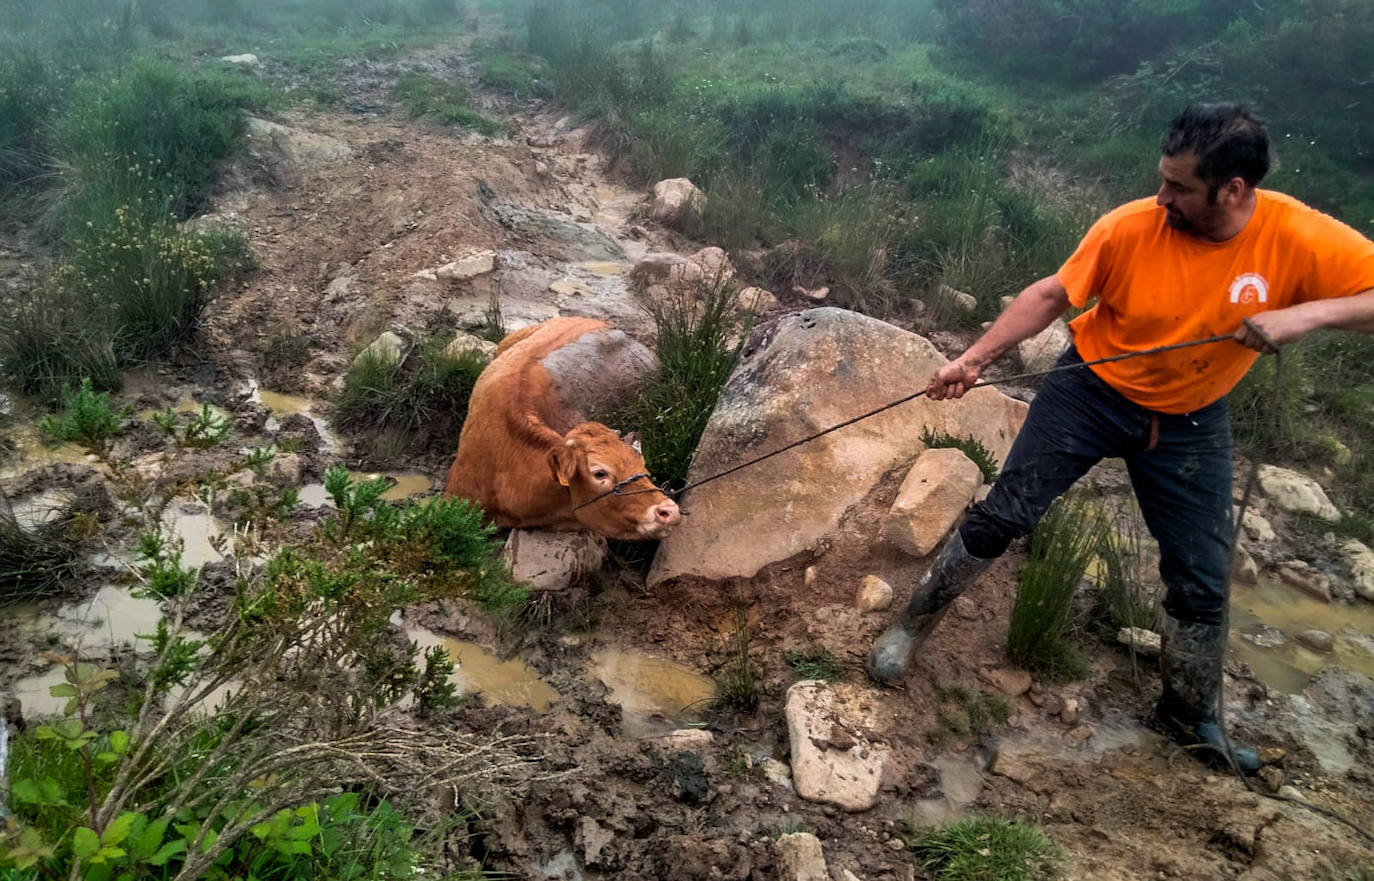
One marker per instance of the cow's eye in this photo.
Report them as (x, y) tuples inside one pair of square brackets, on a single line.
[(601, 474)]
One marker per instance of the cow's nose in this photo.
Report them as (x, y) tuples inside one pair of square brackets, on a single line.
[(667, 513)]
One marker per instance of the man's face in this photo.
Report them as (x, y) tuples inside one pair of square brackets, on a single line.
[(1188, 205)]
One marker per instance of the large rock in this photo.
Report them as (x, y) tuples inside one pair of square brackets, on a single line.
[(465, 343), (833, 762), (390, 348), (801, 858), (932, 499), (1040, 352), (675, 200), (284, 152), (797, 375), (467, 266), (551, 561), (1360, 559), (1296, 493)]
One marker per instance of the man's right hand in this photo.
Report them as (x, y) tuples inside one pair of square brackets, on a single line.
[(952, 380)]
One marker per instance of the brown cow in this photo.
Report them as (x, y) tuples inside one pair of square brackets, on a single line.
[(527, 453)]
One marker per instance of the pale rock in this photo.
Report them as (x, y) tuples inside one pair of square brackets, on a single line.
[(339, 287), (551, 561), (1146, 642), (846, 875), (467, 266), (466, 343), (567, 287), (958, 299), (388, 348), (286, 469), (809, 577), (425, 275), (833, 762), (284, 151), (800, 858), (966, 608), (932, 499), (1272, 777), (1272, 755), (1296, 493), (1243, 568), (757, 301), (245, 58), (779, 773), (1317, 641), (1257, 528), (1011, 682), (1360, 559), (655, 267), (1040, 352), (714, 264), (1082, 733), (875, 595), (686, 740), (1299, 575), (817, 294), (799, 374), (675, 200), (541, 169), (1019, 762), (594, 838), (1068, 714)]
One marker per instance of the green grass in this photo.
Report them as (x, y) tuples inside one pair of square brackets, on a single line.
[(737, 685), (86, 418), (517, 74), (814, 664), (964, 711), (989, 849), (967, 444), (447, 103), (1127, 592), (39, 561), (1066, 540)]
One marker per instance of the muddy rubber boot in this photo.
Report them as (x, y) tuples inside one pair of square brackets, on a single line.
[(1190, 661), (953, 570)]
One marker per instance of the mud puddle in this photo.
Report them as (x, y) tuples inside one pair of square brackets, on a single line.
[(405, 485), (202, 535), (655, 695), (481, 672), (31, 452), (283, 405), (31, 512), (1266, 620)]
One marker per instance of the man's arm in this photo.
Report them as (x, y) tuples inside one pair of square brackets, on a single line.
[(1284, 326), (1031, 312)]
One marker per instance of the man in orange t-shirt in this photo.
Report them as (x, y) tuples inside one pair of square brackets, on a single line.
[(1210, 254)]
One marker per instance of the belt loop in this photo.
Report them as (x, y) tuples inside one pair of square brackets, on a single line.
[(1154, 432)]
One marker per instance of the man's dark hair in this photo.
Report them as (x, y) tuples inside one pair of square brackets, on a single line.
[(1228, 139)]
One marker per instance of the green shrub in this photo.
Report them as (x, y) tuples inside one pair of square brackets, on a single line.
[(1061, 548), (1127, 593), (54, 340), (86, 418), (519, 75), (424, 399), (969, 445), (989, 849), (201, 430), (814, 664), (696, 350), (445, 102)]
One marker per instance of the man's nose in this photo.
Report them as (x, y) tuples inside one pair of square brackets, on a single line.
[(1162, 197)]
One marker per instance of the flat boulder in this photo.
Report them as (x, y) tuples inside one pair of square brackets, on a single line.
[(284, 152), (833, 761), (933, 497), (1296, 493), (796, 376)]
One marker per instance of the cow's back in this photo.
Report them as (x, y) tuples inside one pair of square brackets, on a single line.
[(543, 381)]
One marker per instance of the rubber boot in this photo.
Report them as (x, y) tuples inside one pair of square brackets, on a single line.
[(1190, 661), (953, 570)]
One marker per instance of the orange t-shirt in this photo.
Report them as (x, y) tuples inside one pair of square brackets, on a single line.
[(1155, 286)]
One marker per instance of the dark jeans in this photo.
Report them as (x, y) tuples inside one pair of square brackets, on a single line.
[(1183, 482)]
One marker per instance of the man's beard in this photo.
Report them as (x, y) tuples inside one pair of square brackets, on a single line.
[(1177, 220)]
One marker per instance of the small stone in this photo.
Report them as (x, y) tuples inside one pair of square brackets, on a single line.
[(757, 301), (875, 595), (966, 608), (800, 858), (1301, 576), (896, 844), (1296, 493), (1146, 642), (1069, 714), (776, 772), (389, 348), (1082, 733), (1272, 755), (932, 499), (541, 169), (245, 58), (466, 343), (686, 740), (1257, 528), (809, 577), (1289, 791), (1317, 641), (958, 299), (469, 266), (1272, 777), (1011, 682), (1037, 698), (1243, 568)]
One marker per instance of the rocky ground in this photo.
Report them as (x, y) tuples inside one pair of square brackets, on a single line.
[(357, 219)]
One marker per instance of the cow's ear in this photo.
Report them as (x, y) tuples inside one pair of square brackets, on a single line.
[(563, 462), (632, 438)]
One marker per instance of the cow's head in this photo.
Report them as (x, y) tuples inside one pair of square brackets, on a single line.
[(591, 462)]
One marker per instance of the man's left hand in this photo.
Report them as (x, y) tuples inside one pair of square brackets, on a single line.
[(1267, 331)]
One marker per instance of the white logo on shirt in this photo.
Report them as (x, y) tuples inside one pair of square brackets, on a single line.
[(1249, 288)]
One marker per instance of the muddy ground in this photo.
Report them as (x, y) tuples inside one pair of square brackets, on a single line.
[(339, 245)]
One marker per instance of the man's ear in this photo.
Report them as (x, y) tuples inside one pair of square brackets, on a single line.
[(563, 462)]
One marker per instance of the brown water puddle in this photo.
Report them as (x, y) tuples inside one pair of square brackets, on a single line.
[(407, 484), (31, 512), (1258, 611), (198, 530), (602, 267), (655, 695), (480, 672), (31, 452), (282, 405)]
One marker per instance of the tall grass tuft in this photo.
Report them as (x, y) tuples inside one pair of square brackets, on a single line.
[(1061, 548), (35, 560), (1127, 595), (698, 343), (989, 849)]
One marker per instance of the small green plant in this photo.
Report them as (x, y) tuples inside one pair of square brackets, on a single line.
[(86, 418), (258, 458), (200, 430), (969, 445), (791, 827), (964, 711), (1061, 548), (445, 102), (737, 685), (521, 76), (988, 849), (814, 664)]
